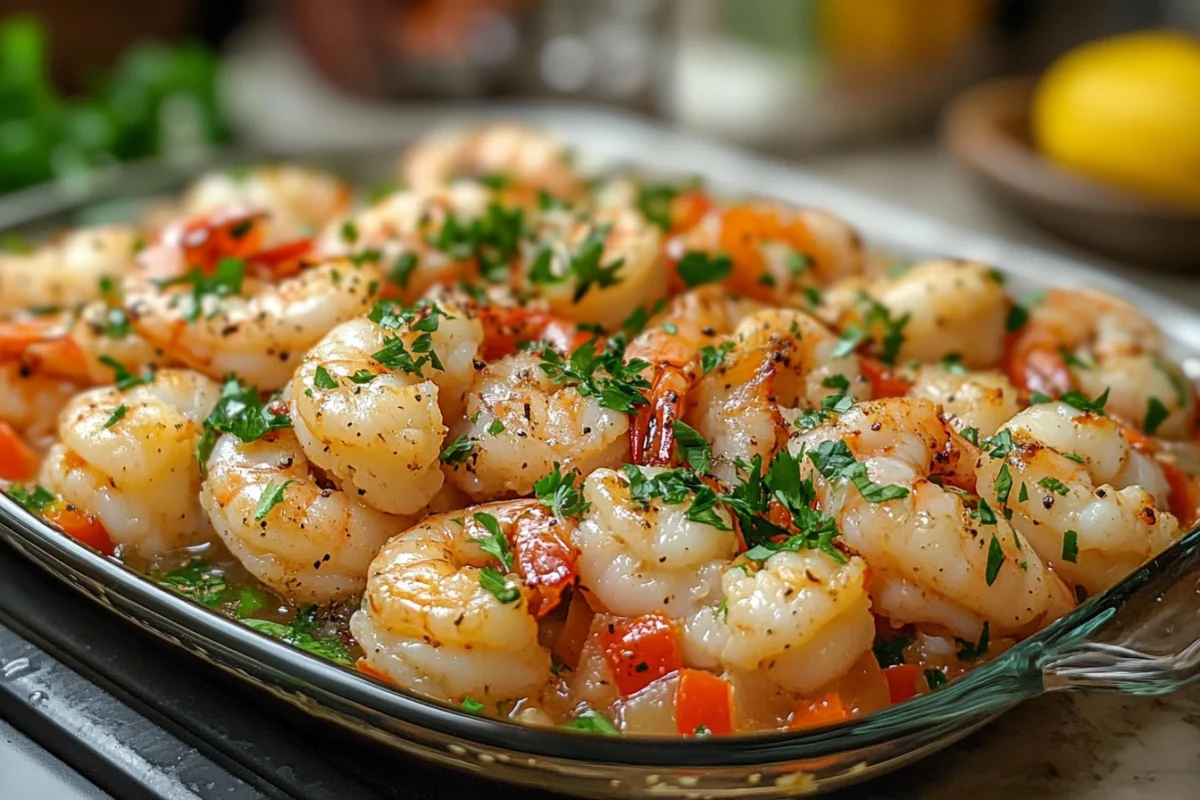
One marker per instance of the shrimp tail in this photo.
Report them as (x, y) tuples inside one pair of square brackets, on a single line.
[(544, 559), (652, 435)]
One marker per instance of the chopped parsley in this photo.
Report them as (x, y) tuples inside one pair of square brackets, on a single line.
[(834, 460), (197, 580), (697, 268), (495, 544), (271, 497), (225, 281), (402, 269), (878, 322), (586, 267), (472, 706), (616, 385), (33, 498), (496, 180), (1075, 400), (712, 357), (798, 263), (117, 415), (935, 679), (984, 513), (504, 590), (1023, 495), (999, 446), (972, 651), (349, 232), (458, 451), (674, 487), (240, 411), (1156, 413), (694, 448), (752, 499), (496, 427), (1054, 485), (323, 380), (1018, 315), (1003, 484), (971, 435), (655, 204), (558, 493), (123, 378), (995, 558), (1181, 391), (890, 652), (302, 633), (116, 323), (953, 364), (1070, 547), (590, 721)]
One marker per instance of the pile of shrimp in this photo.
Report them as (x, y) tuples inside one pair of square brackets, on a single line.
[(605, 454)]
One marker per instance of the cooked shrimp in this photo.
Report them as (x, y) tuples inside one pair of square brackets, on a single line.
[(445, 617), (280, 518), (30, 402), (1094, 342), (128, 457), (980, 400), (299, 200), (940, 308), (524, 157), (520, 424), (777, 251), (671, 341), (1087, 502), (781, 361), (802, 618), (255, 329), (403, 234), (370, 399), (642, 558), (933, 558), (594, 269), (66, 273)]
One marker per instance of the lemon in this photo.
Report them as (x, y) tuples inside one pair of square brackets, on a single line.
[(1126, 111)]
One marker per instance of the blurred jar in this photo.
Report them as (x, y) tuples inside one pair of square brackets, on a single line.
[(607, 50), (791, 74)]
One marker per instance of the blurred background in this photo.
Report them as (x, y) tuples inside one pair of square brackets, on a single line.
[(900, 97)]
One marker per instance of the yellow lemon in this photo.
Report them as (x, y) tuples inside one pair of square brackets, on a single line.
[(1126, 110)]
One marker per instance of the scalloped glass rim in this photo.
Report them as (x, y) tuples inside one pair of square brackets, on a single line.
[(1014, 676)]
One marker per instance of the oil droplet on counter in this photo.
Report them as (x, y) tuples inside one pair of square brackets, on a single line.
[(14, 668)]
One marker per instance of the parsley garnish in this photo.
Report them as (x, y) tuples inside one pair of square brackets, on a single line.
[(1156, 413), (458, 451), (834, 460), (496, 427), (971, 651), (712, 357), (495, 544), (302, 634), (240, 411), (197, 580), (1000, 445), (123, 378), (592, 722), (402, 269), (1054, 485), (472, 706), (1070, 548), (323, 380), (890, 652), (971, 435), (694, 448), (935, 679), (585, 264), (271, 497), (117, 415), (557, 492), (655, 204), (226, 280), (995, 558), (116, 323), (1023, 495), (1075, 400), (615, 384), (697, 268), (33, 498), (953, 364), (797, 263), (674, 487), (815, 530), (492, 580), (1018, 315)]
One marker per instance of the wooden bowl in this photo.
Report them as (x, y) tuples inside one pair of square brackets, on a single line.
[(987, 130)]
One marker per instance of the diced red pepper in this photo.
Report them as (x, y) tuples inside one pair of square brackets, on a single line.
[(883, 382), (902, 681), (82, 527), (640, 650), (18, 462), (823, 710), (703, 702)]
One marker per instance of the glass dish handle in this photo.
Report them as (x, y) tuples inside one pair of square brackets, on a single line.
[(1142, 638)]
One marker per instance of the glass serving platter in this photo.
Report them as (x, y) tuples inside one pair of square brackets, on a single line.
[(1140, 637)]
